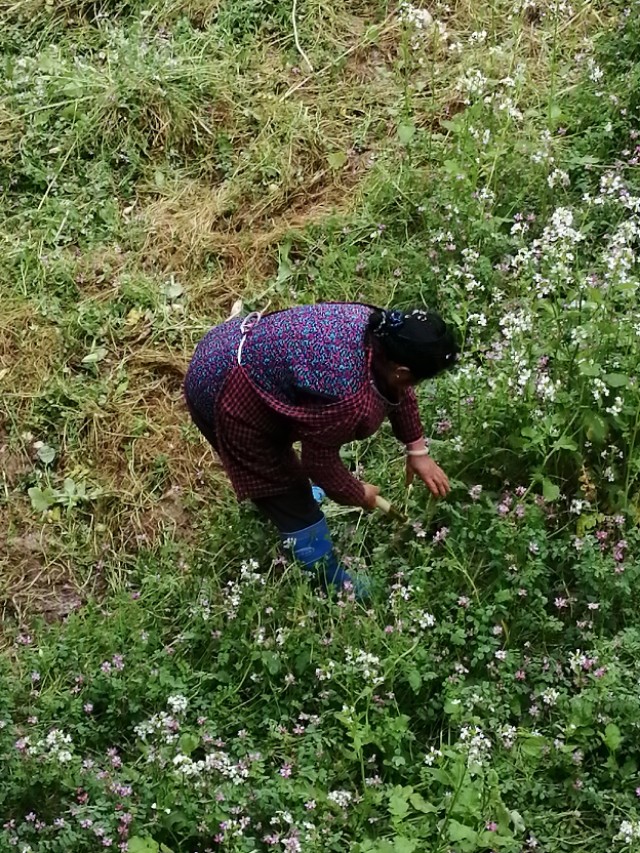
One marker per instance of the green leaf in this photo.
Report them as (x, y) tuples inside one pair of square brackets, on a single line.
[(398, 805), (42, 499), (587, 369), (137, 844), (272, 661), (565, 443), (404, 845), (173, 290), (550, 491), (188, 743), (532, 745), (452, 126), (96, 355), (337, 159), (72, 90), (464, 835), (612, 737), (517, 822), (46, 454), (415, 680), (616, 380), (596, 427), (406, 132), (420, 804)]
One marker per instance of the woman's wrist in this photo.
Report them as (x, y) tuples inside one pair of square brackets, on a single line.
[(417, 448)]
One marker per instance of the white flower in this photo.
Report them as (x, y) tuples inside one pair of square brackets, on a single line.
[(431, 756), (177, 704), (340, 798)]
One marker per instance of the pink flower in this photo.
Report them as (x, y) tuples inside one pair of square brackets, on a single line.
[(463, 601), (87, 708), (441, 535), (521, 675), (492, 826), (560, 603), (475, 492), (285, 771)]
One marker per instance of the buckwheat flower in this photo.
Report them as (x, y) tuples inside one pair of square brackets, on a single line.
[(520, 675), (501, 654), (463, 601), (105, 667), (35, 677), (522, 592), (492, 826), (534, 548), (310, 805), (475, 492), (177, 704), (593, 605), (21, 744), (441, 535), (285, 771), (340, 798)]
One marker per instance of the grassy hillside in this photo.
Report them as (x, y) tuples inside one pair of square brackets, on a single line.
[(165, 677)]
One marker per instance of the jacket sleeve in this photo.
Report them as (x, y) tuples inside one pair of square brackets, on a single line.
[(405, 419), (322, 464)]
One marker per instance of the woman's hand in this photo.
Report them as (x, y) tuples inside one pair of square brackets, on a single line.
[(370, 495), (430, 473)]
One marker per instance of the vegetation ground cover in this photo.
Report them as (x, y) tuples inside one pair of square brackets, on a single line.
[(169, 682)]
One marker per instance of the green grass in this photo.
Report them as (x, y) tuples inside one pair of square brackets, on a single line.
[(160, 161)]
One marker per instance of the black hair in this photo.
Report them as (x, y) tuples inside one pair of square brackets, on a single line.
[(417, 339)]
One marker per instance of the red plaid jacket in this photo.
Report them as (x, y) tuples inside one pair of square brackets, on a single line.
[(253, 431)]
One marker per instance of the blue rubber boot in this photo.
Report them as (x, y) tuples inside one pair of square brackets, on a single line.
[(319, 493), (313, 549)]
